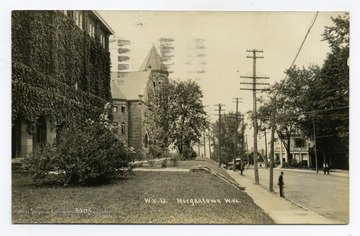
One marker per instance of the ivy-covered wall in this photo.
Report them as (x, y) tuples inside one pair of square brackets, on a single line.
[(51, 56)]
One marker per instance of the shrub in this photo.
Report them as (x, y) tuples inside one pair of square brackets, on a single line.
[(294, 163), (175, 160), (155, 151), (151, 162), (86, 155), (42, 163), (188, 153), (164, 163)]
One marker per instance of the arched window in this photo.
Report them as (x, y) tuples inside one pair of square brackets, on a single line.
[(123, 128), (146, 140)]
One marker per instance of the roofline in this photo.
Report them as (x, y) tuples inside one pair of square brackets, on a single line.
[(103, 22), (120, 99)]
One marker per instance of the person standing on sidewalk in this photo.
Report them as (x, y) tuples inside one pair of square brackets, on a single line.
[(281, 184)]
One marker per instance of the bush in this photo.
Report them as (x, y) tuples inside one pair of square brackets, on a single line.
[(151, 162), (42, 163), (81, 156), (175, 160), (294, 163), (164, 163), (188, 153), (155, 151)]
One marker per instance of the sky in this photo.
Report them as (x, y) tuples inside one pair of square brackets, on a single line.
[(222, 39)]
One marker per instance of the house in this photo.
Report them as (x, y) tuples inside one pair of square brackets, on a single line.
[(130, 99), (299, 151), (60, 73)]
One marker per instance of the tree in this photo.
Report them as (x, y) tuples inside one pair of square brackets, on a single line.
[(229, 128), (177, 115), (317, 96), (188, 118), (326, 104), (158, 118)]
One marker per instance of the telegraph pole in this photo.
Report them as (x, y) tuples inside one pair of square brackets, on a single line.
[(219, 110), (247, 151), (236, 132), (314, 132), (272, 151), (254, 89), (204, 144), (242, 144)]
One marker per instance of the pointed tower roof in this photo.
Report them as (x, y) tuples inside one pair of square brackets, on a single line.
[(153, 61)]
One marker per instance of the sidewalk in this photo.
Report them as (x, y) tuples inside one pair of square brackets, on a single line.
[(281, 210), (335, 172)]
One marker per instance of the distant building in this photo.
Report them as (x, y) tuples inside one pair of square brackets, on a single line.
[(130, 99), (299, 150), (60, 73)]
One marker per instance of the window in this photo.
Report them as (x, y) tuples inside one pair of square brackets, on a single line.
[(102, 40), (115, 109), (123, 128), (91, 29), (146, 140), (299, 143), (78, 17), (123, 109)]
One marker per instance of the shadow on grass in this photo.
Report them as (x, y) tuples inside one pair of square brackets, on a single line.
[(25, 180)]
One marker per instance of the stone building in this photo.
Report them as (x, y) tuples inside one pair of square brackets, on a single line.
[(60, 73), (130, 99)]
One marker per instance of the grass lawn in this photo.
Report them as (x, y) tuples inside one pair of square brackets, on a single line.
[(147, 197)]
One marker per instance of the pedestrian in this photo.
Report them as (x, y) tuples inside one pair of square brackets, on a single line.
[(281, 184), (324, 168), (327, 169)]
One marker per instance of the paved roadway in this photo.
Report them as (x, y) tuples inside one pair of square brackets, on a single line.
[(327, 195)]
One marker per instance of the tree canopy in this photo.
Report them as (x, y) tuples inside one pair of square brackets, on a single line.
[(230, 126), (177, 114), (317, 97)]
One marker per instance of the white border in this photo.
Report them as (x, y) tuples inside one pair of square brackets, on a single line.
[(259, 5)]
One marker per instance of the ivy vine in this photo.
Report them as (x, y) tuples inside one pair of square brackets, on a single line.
[(50, 55)]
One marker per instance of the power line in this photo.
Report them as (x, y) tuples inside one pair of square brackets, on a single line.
[(307, 33)]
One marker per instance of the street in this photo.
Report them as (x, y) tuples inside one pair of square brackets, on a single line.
[(327, 195)]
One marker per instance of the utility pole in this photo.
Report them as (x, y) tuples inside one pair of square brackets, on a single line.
[(204, 144), (316, 159), (254, 89), (266, 151), (236, 132), (209, 140), (219, 110), (247, 151), (242, 144), (272, 150)]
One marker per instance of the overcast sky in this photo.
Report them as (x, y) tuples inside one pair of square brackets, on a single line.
[(223, 38)]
